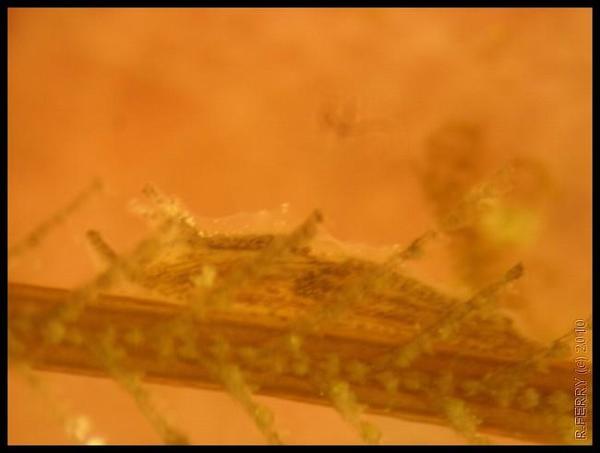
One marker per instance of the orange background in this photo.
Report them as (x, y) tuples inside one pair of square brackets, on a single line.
[(228, 110)]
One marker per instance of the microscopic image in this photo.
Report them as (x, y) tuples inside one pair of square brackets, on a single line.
[(298, 226)]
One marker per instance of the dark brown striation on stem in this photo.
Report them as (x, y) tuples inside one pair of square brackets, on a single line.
[(141, 332)]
